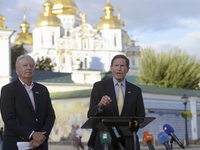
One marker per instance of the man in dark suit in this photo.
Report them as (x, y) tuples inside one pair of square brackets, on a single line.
[(26, 109), (104, 101)]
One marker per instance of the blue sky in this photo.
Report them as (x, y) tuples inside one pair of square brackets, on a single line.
[(160, 24)]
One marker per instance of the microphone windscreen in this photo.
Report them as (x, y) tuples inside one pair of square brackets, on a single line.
[(163, 137), (117, 136), (105, 138), (167, 128), (147, 136), (93, 136), (134, 125)]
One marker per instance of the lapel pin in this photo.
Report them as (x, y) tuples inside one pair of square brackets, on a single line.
[(129, 92), (37, 92)]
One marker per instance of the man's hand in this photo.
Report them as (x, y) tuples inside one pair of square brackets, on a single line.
[(105, 100), (33, 144), (39, 137)]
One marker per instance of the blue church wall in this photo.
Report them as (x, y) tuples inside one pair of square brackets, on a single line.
[(166, 112), (198, 106), (164, 104), (198, 119), (198, 126), (175, 120)]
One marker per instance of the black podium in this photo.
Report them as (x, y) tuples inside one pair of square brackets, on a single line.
[(123, 122)]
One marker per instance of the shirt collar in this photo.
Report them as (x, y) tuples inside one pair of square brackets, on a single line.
[(123, 82), (24, 84)]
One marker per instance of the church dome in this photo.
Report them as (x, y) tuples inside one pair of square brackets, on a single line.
[(109, 21), (24, 37), (65, 7), (2, 19), (48, 18)]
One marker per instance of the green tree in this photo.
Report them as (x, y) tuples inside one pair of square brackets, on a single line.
[(44, 64), (175, 69), (16, 51)]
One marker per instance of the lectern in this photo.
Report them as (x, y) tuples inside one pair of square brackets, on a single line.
[(123, 122)]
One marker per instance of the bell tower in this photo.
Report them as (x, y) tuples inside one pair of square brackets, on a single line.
[(5, 57)]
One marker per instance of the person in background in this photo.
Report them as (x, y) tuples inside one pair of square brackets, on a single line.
[(26, 109), (73, 137), (116, 97), (1, 137), (79, 133)]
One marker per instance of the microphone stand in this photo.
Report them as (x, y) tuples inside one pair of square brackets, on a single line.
[(171, 142), (134, 140), (106, 146)]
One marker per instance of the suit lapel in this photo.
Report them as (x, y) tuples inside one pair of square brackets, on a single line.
[(21, 89), (127, 97), (36, 95), (111, 91)]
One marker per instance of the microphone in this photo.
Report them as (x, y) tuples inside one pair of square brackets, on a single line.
[(118, 139), (92, 139), (170, 131), (164, 140), (106, 140), (134, 127), (148, 139)]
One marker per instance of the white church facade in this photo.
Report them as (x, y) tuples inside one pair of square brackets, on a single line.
[(62, 34)]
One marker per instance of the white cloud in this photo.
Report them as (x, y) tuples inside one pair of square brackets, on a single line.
[(189, 23), (189, 43)]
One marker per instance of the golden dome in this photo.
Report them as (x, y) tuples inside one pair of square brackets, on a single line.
[(2, 19), (65, 7), (109, 21), (48, 18), (24, 37)]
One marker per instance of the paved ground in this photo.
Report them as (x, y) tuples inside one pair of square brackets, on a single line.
[(68, 147), (60, 147)]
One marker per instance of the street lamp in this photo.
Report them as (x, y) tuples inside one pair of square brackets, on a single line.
[(185, 101)]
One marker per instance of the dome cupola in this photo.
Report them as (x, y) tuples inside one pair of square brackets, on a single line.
[(48, 18), (65, 7), (109, 21), (24, 37)]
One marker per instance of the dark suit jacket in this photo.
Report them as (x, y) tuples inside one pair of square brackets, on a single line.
[(19, 116), (133, 102)]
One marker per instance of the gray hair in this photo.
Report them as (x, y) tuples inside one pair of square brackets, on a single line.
[(23, 56)]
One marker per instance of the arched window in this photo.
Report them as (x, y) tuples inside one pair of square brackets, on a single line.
[(85, 62), (115, 40), (68, 33), (102, 44), (133, 61), (53, 40), (85, 43), (41, 38), (63, 59)]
